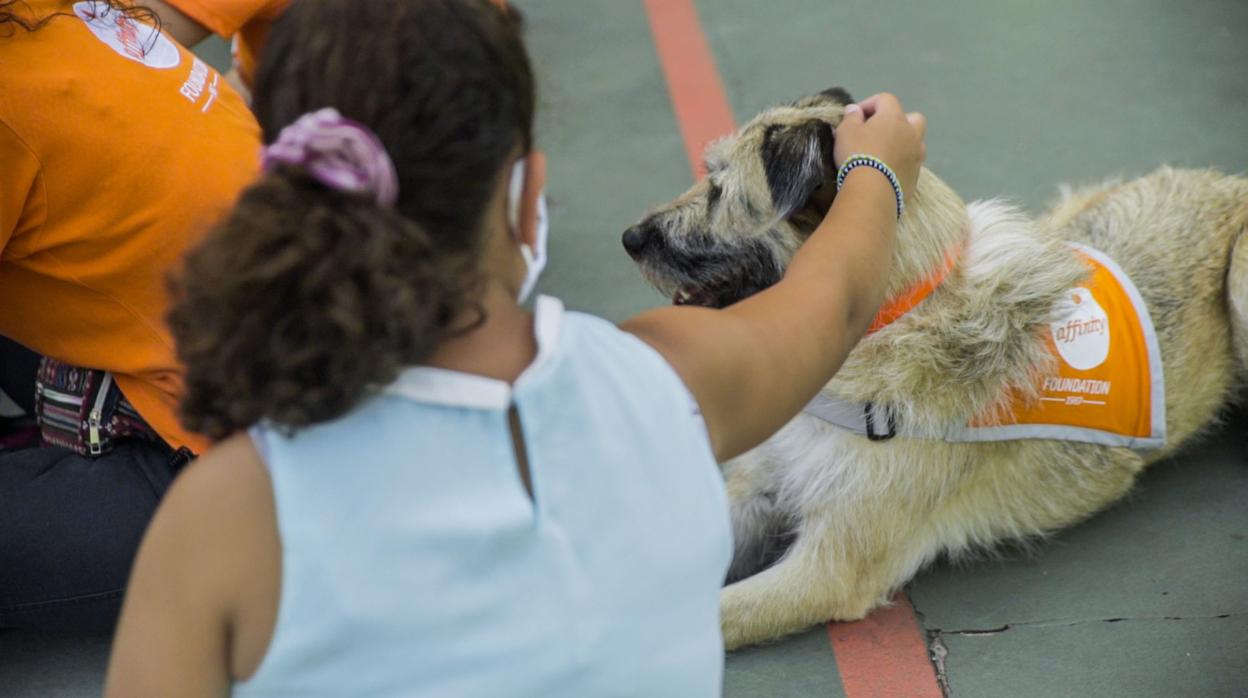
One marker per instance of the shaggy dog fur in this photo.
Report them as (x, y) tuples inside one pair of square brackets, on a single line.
[(827, 523)]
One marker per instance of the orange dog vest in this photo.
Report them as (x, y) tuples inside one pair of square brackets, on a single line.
[(1106, 386)]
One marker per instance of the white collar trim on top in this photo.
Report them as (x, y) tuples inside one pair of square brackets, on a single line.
[(458, 389)]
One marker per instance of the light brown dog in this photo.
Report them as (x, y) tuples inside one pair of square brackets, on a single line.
[(828, 522)]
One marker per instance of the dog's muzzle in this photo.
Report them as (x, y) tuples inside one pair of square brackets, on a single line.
[(639, 238)]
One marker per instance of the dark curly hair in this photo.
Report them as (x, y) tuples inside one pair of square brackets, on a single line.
[(304, 299), (18, 13)]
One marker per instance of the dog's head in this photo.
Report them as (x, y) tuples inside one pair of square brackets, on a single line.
[(768, 186)]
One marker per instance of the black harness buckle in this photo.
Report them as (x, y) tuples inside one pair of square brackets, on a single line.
[(872, 434)]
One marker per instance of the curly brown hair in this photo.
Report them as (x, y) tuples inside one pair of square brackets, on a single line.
[(305, 299), (17, 12)]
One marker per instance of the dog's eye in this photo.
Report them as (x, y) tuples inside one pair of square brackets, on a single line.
[(713, 195)]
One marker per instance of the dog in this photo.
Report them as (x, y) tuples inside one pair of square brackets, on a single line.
[(828, 521)]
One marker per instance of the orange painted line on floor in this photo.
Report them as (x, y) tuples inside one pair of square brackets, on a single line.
[(693, 82), (884, 655)]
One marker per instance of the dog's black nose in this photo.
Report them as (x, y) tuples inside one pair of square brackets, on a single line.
[(638, 237)]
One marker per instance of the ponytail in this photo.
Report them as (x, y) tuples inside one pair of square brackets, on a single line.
[(315, 291), (303, 300)]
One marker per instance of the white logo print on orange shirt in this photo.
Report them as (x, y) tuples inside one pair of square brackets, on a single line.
[(135, 40), (201, 78)]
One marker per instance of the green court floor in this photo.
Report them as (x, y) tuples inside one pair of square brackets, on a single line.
[(1149, 598)]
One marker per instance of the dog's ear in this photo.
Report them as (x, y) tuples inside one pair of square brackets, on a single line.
[(797, 160), (832, 95)]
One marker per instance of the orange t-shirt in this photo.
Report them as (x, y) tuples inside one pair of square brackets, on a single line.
[(119, 150), (246, 21)]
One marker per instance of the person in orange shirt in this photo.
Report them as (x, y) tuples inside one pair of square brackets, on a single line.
[(118, 148)]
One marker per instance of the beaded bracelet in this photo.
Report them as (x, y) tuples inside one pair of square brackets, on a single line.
[(876, 164)]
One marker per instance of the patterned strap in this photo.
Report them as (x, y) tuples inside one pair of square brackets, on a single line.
[(83, 409)]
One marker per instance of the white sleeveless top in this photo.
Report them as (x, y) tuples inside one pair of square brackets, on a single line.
[(415, 564)]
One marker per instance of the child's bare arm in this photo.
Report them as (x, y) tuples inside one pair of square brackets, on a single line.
[(177, 24), (213, 535), (754, 365)]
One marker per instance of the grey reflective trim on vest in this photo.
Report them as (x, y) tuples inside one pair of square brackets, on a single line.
[(846, 415), (851, 416), (882, 425), (1054, 432)]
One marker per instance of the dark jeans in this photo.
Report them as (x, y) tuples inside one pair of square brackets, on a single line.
[(69, 529), (70, 525)]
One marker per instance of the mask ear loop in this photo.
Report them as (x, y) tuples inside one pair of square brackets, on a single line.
[(515, 195), (537, 260), (526, 206)]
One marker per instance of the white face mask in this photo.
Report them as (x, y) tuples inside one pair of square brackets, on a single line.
[(534, 257)]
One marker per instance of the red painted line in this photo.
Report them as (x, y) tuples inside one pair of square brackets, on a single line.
[(884, 655), (692, 80)]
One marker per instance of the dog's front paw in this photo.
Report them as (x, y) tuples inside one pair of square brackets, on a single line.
[(742, 626), (755, 610)]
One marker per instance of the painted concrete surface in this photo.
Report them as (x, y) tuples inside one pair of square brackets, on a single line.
[(1146, 658), (35, 665), (614, 147), (1146, 599), (1021, 96), (799, 667)]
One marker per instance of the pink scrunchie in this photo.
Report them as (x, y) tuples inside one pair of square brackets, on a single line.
[(340, 153)]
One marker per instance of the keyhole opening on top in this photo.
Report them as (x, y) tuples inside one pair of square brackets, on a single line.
[(519, 449)]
